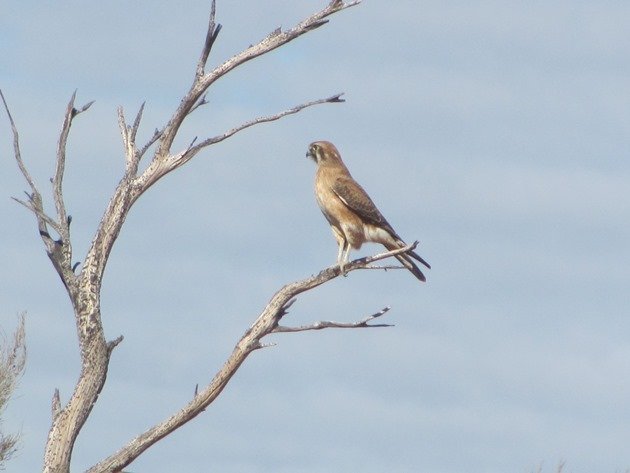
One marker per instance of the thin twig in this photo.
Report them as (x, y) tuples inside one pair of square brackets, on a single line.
[(384, 268), (55, 406), (364, 263), (156, 136), (124, 132), (202, 101), (132, 156), (39, 213), (71, 112), (16, 149), (216, 139), (211, 36), (35, 198), (183, 158), (114, 343), (136, 123), (364, 323), (61, 159)]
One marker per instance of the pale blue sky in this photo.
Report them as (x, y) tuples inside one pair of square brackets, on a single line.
[(496, 133)]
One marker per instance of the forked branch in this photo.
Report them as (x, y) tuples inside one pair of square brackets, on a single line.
[(182, 158), (164, 160), (203, 81), (59, 250), (266, 323), (211, 37)]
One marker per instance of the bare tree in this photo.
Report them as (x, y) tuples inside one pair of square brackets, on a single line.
[(84, 287), (12, 361)]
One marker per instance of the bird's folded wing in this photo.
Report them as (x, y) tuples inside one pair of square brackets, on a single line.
[(357, 200)]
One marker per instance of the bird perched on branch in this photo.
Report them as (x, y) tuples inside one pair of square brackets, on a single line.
[(353, 217)]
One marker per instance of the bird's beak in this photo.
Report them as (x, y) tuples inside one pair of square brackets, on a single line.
[(309, 154)]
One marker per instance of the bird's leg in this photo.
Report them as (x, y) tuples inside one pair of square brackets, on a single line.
[(342, 257), (341, 245), (344, 249)]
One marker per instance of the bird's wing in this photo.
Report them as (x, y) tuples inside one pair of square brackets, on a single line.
[(357, 200)]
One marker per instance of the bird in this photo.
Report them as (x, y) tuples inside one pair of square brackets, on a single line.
[(353, 217)]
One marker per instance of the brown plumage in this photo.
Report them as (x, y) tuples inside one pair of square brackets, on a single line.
[(353, 217)]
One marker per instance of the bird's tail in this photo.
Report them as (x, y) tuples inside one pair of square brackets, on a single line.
[(415, 255), (407, 262)]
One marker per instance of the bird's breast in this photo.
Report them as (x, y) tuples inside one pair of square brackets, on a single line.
[(340, 217)]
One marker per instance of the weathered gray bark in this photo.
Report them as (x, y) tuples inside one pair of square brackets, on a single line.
[(84, 288)]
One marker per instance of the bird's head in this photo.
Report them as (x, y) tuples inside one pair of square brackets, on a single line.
[(323, 152)]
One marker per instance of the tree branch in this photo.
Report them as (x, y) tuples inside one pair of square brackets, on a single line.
[(16, 149), (202, 101), (132, 155), (156, 136), (175, 161), (59, 251), (136, 122), (364, 323), (57, 181), (216, 139), (211, 36), (203, 82), (266, 323), (39, 214), (126, 138), (34, 197), (55, 405)]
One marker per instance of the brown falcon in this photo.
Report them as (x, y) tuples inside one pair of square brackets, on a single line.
[(353, 217)]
